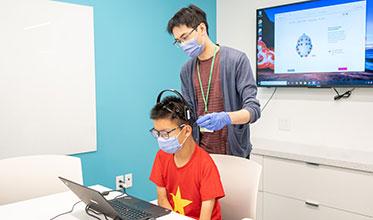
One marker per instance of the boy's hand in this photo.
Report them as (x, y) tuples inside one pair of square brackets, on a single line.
[(206, 209)]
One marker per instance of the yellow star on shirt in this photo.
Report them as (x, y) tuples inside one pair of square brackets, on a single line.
[(179, 203)]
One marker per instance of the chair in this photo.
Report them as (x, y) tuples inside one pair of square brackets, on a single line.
[(240, 179), (28, 177)]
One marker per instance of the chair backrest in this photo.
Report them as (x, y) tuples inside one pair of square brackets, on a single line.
[(28, 177), (240, 179)]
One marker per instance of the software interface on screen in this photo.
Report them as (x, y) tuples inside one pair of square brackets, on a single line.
[(317, 43)]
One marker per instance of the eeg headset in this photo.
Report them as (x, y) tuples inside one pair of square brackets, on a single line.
[(188, 112)]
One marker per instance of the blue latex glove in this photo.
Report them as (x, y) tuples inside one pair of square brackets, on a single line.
[(214, 121)]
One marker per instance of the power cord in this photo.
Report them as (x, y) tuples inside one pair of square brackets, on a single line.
[(123, 192), (105, 193), (72, 209), (88, 208), (343, 95), (265, 105), (123, 189)]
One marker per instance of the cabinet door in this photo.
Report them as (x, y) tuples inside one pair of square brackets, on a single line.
[(282, 208), (330, 186), (259, 206)]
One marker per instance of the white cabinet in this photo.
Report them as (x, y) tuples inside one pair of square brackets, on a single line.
[(298, 190), (259, 206), (283, 208)]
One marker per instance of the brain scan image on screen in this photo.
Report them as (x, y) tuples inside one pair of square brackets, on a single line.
[(265, 56), (304, 45), (319, 43)]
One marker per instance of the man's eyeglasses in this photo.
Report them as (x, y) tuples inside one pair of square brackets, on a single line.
[(164, 134), (177, 42)]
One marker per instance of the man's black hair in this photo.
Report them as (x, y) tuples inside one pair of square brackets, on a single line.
[(190, 16), (171, 107)]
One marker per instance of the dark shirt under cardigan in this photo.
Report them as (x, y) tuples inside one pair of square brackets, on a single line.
[(239, 92)]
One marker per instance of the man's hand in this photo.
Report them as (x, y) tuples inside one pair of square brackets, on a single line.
[(214, 121)]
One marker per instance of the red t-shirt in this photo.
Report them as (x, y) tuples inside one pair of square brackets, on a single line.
[(187, 186)]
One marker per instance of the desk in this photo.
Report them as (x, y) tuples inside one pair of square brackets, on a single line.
[(46, 207)]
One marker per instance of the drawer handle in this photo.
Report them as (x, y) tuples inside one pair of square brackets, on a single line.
[(312, 164), (313, 204)]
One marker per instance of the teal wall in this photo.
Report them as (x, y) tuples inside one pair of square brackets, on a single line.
[(135, 59)]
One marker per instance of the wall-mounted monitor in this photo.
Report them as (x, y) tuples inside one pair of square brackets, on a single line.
[(321, 43)]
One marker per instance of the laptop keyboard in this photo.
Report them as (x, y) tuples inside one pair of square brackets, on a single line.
[(128, 212)]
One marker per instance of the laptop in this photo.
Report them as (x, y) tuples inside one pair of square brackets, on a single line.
[(125, 208)]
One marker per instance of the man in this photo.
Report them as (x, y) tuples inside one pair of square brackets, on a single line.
[(186, 177), (218, 83)]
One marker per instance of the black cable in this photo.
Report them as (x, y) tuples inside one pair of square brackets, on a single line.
[(123, 191), (88, 208), (87, 211), (343, 95), (122, 187), (265, 105), (105, 193), (72, 209)]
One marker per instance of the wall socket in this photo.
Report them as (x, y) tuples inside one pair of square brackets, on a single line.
[(128, 180), (119, 180), (284, 124), (123, 180)]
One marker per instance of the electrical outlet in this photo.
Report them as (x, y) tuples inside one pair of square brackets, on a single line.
[(128, 180), (119, 180), (284, 124)]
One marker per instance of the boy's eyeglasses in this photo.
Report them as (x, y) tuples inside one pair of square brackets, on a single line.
[(164, 134)]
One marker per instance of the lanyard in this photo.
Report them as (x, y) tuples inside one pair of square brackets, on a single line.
[(206, 98)]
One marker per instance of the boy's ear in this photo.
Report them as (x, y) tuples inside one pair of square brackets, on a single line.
[(189, 130)]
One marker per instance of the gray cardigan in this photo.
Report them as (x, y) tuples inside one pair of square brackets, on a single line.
[(239, 91)]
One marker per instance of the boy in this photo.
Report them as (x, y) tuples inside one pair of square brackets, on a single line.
[(187, 179)]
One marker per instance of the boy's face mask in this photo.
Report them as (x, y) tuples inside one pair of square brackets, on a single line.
[(170, 145)]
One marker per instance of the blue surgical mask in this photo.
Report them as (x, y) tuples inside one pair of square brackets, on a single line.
[(192, 48), (170, 145)]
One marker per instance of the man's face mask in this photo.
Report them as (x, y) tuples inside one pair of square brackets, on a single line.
[(192, 48)]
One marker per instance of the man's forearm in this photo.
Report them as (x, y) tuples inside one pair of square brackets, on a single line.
[(240, 117)]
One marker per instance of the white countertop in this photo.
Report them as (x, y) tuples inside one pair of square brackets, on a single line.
[(345, 158), (46, 207)]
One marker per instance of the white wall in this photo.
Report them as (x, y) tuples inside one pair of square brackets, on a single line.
[(314, 117), (47, 78)]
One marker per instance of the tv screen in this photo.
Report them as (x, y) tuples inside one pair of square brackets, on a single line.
[(322, 43)]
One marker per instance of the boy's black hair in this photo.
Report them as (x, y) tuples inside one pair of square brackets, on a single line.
[(190, 16), (171, 107)]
